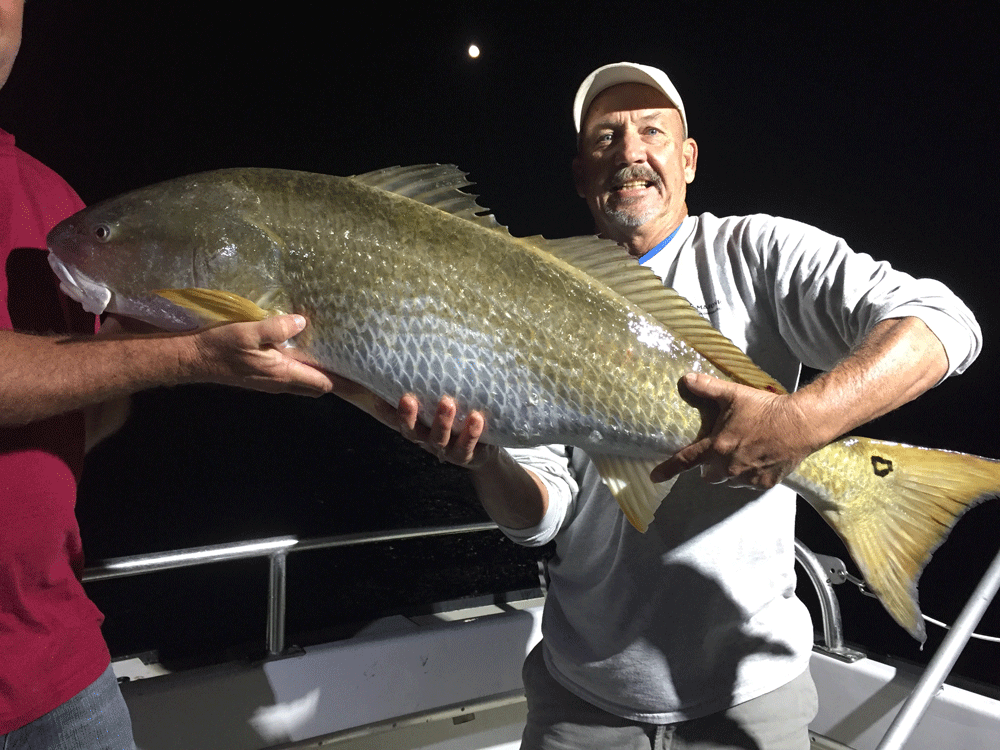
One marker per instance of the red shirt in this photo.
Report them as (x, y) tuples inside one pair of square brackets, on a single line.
[(51, 646)]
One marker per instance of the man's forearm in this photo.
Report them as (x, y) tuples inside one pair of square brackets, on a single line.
[(898, 360), (46, 375), (41, 376), (759, 437)]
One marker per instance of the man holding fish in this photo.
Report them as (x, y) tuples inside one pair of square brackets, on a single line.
[(681, 632), (57, 688), (690, 635)]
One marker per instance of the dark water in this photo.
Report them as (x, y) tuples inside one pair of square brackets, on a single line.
[(204, 465)]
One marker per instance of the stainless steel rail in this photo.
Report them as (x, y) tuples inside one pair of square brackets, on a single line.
[(278, 548), (944, 659), (275, 548), (833, 629)]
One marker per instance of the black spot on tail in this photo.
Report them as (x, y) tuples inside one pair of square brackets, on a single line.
[(881, 466)]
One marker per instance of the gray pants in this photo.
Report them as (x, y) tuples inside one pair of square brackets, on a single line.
[(96, 718), (558, 720)]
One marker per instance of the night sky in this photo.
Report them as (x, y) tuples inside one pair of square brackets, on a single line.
[(873, 121)]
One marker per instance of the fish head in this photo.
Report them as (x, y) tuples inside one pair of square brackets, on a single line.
[(200, 231)]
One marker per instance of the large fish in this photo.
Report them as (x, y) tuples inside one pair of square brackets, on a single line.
[(409, 287)]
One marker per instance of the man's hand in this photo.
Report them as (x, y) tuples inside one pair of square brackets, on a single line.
[(512, 495), (461, 448), (256, 356), (757, 439)]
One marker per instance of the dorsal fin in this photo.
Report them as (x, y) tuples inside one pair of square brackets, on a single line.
[(436, 185), (613, 266)]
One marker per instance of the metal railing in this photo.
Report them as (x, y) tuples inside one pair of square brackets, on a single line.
[(913, 710), (276, 549), (822, 579), (822, 574)]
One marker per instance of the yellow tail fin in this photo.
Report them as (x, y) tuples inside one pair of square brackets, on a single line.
[(893, 505)]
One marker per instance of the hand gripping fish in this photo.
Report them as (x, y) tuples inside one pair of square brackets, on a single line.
[(409, 286)]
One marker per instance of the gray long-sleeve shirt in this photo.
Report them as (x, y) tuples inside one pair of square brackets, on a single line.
[(699, 613)]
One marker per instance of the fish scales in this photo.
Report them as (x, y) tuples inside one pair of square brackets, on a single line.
[(389, 314), (408, 288)]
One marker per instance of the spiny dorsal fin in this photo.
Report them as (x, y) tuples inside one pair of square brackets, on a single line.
[(436, 185), (613, 266)]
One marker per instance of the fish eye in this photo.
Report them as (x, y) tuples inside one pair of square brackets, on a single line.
[(102, 232)]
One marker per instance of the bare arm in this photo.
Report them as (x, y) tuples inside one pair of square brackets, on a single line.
[(758, 437), (41, 376)]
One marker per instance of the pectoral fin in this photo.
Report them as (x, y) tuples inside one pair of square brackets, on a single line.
[(214, 305), (628, 480)]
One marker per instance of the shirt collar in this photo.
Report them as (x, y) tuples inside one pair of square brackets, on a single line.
[(662, 244)]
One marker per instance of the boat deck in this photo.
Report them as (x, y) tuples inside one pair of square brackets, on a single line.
[(451, 679)]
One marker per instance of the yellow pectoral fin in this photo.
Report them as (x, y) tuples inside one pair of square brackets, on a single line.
[(214, 305), (628, 480)]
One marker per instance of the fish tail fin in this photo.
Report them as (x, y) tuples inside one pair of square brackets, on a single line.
[(893, 505)]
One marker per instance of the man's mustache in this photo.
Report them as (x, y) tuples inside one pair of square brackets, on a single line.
[(632, 173)]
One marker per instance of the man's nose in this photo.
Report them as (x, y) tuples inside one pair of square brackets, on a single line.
[(631, 149)]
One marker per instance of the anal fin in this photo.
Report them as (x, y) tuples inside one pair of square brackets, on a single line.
[(628, 480)]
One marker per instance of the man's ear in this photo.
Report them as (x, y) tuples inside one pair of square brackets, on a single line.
[(690, 159)]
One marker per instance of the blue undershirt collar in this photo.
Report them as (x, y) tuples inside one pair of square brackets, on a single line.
[(659, 246)]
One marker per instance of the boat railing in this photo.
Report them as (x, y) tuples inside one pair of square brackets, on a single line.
[(944, 659), (276, 549), (822, 571)]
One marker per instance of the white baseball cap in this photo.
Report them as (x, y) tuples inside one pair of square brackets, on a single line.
[(624, 72)]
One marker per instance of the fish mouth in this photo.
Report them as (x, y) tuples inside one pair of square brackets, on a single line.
[(92, 295)]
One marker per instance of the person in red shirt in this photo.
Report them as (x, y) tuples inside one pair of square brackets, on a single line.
[(57, 689)]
